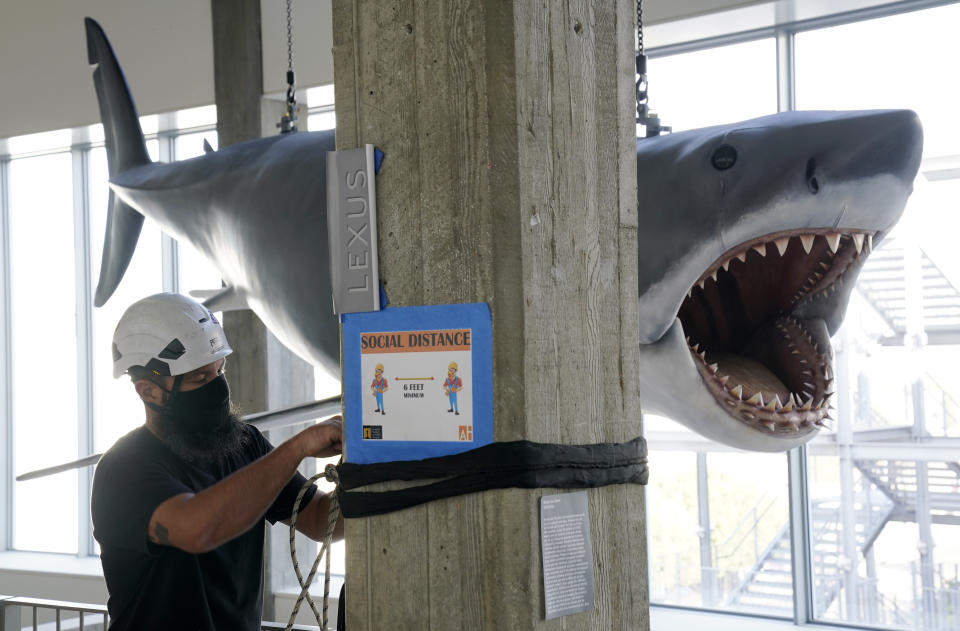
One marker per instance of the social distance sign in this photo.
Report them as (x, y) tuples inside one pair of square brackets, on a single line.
[(418, 381)]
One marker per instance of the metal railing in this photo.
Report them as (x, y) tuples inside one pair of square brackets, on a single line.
[(18, 613), (747, 529), (946, 407)]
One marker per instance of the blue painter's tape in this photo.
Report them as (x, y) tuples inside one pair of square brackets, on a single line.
[(357, 384), (384, 301), (377, 160)]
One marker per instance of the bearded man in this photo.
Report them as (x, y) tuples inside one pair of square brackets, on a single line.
[(179, 504)]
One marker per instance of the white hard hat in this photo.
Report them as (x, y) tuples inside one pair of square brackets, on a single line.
[(169, 335)]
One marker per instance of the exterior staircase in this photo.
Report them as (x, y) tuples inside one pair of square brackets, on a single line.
[(883, 283), (768, 586), (886, 491)]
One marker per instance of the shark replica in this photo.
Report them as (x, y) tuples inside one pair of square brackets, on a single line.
[(751, 237), (256, 209)]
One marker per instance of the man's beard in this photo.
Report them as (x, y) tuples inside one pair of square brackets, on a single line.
[(206, 442)]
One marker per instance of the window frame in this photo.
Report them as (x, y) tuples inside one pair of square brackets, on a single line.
[(6, 408)]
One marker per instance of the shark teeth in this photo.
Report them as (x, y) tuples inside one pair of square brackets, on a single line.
[(860, 242), (824, 255), (777, 413), (833, 241)]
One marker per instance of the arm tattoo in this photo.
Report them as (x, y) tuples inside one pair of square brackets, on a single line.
[(161, 535)]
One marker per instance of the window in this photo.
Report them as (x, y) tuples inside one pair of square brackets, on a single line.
[(884, 505), (882, 495), (115, 412), (715, 86), (712, 517), (44, 348), (66, 405), (321, 115), (62, 400)]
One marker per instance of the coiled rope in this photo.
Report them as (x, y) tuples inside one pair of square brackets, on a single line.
[(331, 475)]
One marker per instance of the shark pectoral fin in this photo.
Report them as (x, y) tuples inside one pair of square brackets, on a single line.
[(225, 299), (119, 242), (206, 146)]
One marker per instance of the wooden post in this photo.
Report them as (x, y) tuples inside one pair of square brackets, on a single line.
[(510, 178)]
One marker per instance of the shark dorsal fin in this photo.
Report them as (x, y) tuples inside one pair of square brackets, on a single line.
[(206, 146)]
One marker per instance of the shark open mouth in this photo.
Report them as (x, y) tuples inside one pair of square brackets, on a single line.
[(755, 331)]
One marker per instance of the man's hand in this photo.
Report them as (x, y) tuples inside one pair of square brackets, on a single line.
[(322, 440)]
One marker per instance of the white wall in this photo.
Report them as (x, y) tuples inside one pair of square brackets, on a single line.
[(52, 576), (165, 48)]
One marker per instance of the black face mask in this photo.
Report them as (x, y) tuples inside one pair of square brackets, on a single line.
[(198, 425), (203, 409)]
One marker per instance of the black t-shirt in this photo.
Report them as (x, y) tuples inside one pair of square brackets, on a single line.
[(162, 587)]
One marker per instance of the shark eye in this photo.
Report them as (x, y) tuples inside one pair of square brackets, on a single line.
[(812, 183), (724, 157)]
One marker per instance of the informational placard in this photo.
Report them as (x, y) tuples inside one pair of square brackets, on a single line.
[(567, 554), (352, 229), (418, 382)]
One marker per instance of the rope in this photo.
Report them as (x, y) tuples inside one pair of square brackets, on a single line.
[(330, 473)]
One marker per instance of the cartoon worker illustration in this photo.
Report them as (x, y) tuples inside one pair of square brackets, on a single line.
[(451, 386), (378, 386)]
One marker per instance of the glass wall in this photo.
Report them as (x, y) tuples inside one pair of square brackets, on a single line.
[(883, 496), (884, 513), (715, 512), (44, 348), (65, 403)]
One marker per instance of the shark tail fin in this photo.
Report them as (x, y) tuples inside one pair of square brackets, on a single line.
[(126, 149)]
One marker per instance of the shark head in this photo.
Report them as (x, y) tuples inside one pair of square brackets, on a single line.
[(751, 236)]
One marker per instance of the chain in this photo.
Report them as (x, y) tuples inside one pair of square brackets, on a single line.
[(290, 36), (288, 122), (645, 116), (642, 107), (640, 27)]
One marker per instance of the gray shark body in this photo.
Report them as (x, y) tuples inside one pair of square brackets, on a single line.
[(257, 210)]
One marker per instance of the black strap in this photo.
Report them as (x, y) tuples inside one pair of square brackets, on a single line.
[(519, 464)]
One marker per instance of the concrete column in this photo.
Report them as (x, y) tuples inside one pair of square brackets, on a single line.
[(263, 373), (509, 178)]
